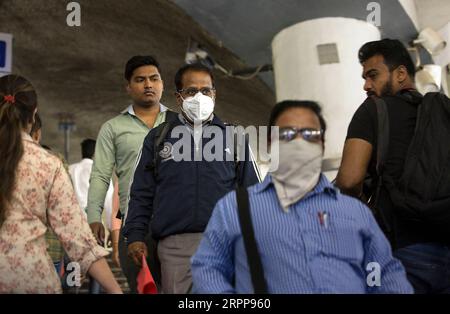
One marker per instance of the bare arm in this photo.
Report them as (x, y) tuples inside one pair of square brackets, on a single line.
[(353, 169), (101, 272), (70, 225)]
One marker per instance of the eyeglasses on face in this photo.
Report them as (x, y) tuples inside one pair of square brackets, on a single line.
[(192, 91), (308, 134)]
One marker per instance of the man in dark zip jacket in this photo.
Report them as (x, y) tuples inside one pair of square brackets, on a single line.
[(175, 190)]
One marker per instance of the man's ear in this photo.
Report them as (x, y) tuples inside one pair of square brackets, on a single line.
[(401, 74), (127, 87)]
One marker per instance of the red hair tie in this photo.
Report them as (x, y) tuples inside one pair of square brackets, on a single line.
[(9, 98)]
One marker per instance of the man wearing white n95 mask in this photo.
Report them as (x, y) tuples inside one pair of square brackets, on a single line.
[(199, 107), (308, 237), (176, 196)]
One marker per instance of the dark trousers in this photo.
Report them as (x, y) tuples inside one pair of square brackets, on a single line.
[(427, 267), (131, 270)]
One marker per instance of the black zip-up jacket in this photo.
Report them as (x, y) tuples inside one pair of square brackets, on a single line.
[(182, 196)]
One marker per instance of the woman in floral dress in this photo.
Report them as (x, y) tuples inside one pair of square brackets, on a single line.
[(36, 194)]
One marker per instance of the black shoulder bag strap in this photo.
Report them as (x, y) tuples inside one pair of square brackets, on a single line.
[(248, 234), (382, 151)]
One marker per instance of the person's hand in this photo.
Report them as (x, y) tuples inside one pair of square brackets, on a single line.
[(99, 232), (135, 251)]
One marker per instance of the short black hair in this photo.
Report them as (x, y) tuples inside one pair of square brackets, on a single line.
[(138, 61), (289, 104), (197, 67), (393, 51), (87, 148)]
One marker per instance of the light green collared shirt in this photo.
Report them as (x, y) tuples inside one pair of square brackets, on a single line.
[(118, 144)]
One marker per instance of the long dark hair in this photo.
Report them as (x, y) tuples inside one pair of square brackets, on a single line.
[(18, 102)]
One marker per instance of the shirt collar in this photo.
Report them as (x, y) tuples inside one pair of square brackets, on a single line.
[(130, 109), (258, 188), (323, 186)]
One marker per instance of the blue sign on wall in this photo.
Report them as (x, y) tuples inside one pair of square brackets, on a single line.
[(5, 53), (2, 54)]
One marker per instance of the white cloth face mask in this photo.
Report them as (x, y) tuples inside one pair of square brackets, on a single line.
[(300, 165)]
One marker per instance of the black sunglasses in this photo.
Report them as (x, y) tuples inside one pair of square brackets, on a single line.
[(308, 134)]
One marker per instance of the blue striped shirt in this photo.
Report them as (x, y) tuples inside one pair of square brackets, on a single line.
[(325, 243)]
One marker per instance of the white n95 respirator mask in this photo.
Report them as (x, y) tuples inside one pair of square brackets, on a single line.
[(198, 108)]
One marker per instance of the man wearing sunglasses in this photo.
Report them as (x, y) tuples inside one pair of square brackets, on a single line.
[(309, 237), (177, 197)]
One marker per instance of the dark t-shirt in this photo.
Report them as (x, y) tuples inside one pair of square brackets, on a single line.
[(402, 121)]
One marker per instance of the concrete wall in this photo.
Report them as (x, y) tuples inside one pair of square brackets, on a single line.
[(80, 69)]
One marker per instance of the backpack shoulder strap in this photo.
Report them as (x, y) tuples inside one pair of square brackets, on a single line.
[(171, 115), (161, 133), (382, 133), (382, 151), (248, 234)]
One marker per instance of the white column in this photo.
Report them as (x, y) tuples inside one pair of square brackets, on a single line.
[(337, 87), (443, 59)]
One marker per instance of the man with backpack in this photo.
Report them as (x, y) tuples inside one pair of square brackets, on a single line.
[(398, 142), (176, 195)]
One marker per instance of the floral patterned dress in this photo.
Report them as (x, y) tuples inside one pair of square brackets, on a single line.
[(43, 198)]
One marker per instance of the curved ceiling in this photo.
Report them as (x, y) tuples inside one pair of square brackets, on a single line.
[(247, 27)]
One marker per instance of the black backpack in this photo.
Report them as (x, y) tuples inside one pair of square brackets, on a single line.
[(423, 191)]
